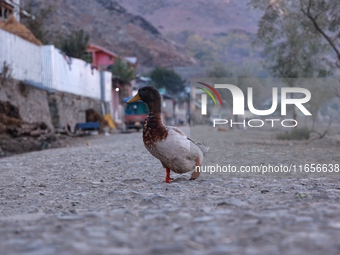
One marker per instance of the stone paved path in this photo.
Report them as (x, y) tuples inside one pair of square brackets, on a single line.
[(106, 196)]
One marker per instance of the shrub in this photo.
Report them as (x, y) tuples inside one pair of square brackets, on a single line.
[(5, 73), (295, 134)]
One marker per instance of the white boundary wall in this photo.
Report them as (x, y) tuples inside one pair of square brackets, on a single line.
[(23, 56), (47, 67)]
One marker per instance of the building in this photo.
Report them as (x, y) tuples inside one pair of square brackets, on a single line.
[(103, 59), (168, 109), (8, 7), (67, 87)]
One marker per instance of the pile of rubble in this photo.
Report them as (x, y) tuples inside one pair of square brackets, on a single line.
[(11, 123), (19, 136), (15, 27)]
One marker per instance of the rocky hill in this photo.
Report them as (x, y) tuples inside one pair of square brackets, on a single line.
[(168, 33), (204, 17), (111, 26), (214, 31)]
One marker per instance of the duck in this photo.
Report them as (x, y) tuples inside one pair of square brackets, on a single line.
[(175, 150)]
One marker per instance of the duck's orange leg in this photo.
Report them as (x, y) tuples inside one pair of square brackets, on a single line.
[(167, 177), (196, 174)]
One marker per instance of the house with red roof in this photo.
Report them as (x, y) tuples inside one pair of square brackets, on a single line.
[(103, 59)]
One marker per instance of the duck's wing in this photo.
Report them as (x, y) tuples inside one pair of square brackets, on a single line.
[(177, 130), (203, 147)]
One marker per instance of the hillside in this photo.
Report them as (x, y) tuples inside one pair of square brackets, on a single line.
[(205, 17), (111, 26), (211, 31)]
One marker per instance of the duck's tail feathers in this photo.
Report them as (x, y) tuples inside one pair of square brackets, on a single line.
[(203, 147)]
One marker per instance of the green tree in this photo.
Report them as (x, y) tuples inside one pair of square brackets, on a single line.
[(324, 15), (202, 49), (290, 44), (168, 79), (313, 23), (298, 38), (74, 45), (219, 70), (123, 70)]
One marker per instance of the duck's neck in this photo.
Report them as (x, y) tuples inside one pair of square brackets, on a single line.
[(155, 117), (155, 107), (154, 129), (155, 114)]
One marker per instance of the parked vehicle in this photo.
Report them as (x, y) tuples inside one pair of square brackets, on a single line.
[(135, 114)]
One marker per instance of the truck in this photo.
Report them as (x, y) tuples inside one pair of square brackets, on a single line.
[(134, 114)]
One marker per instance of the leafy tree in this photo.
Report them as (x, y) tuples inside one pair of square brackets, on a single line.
[(35, 22), (290, 44), (123, 70), (74, 45), (219, 70), (168, 79), (299, 37), (231, 47), (202, 49), (242, 78), (324, 15)]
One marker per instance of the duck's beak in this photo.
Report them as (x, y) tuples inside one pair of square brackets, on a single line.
[(134, 99)]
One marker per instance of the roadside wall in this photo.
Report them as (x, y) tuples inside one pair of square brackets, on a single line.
[(47, 67), (31, 102), (50, 86), (69, 109), (23, 56), (56, 109)]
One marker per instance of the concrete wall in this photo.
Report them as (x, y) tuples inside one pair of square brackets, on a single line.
[(24, 57), (64, 88), (47, 67), (68, 109), (31, 102), (72, 75), (56, 109)]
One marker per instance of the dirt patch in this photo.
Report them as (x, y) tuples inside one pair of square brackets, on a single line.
[(10, 146), (18, 136), (12, 123), (9, 116), (93, 116), (14, 27)]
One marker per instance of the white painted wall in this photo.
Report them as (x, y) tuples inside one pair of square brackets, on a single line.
[(23, 56), (48, 67)]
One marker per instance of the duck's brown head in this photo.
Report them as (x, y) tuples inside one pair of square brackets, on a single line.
[(151, 97)]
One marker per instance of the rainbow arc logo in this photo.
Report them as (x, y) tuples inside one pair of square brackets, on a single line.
[(211, 92)]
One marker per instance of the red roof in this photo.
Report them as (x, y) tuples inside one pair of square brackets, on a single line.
[(94, 48)]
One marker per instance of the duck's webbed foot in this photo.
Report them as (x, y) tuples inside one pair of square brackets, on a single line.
[(196, 174), (167, 177)]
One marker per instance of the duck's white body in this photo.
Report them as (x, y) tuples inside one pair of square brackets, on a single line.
[(177, 151)]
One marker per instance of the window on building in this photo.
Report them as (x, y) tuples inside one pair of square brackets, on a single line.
[(5, 10), (87, 57)]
